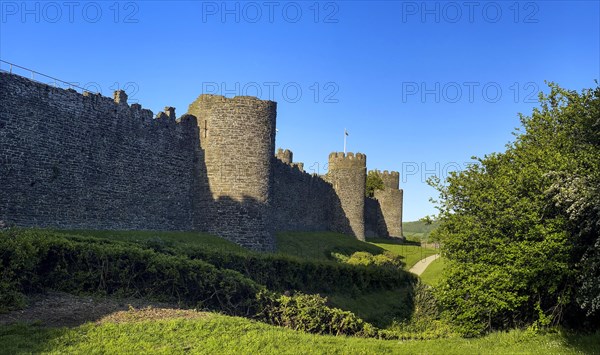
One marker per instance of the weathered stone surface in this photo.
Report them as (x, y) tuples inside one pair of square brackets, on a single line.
[(86, 161), (237, 137), (348, 173), (383, 213)]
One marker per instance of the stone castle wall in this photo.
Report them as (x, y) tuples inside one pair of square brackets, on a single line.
[(384, 211), (86, 161), (71, 160), (302, 201)]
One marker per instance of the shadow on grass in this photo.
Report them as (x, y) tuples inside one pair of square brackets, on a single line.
[(584, 342), (320, 245), (394, 241), (26, 338)]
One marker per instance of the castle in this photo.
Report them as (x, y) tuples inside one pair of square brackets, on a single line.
[(85, 161)]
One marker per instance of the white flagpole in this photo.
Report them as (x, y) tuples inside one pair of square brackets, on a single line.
[(345, 134)]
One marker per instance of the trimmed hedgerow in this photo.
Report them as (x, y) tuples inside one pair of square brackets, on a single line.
[(280, 272), (33, 261)]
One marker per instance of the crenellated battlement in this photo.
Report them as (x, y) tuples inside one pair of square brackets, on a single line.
[(391, 179), (285, 156), (340, 160)]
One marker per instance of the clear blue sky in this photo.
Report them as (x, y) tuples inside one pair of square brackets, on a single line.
[(421, 87)]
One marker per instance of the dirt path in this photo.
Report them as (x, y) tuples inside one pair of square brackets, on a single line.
[(58, 309), (422, 264)]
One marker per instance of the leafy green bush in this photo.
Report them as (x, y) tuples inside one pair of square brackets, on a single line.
[(520, 228), (425, 321), (309, 313), (386, 260)]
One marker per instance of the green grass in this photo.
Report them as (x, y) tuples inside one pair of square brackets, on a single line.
[(432, 275), (176, 239), (216, 333), (380, 308), (305, 245), (418, 230), (320, 245), (411, 253), (232, 335)]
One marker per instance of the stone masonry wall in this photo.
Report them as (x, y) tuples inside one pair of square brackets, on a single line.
[(347, 173), (374, 222), (302, 201), (390, 204), (237, 138), (69, 160)]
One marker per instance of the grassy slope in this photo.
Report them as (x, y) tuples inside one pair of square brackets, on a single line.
[(433, 273), (411, 253), (320, 245), (379, 307), (418, 230), (222, 334), (217, 333)]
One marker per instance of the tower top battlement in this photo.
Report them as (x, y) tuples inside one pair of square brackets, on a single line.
[(341, 160)]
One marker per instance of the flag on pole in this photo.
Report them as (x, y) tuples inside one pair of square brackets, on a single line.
[(345, 135)]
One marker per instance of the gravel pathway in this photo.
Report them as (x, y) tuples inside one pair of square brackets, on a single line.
[(422, 264)]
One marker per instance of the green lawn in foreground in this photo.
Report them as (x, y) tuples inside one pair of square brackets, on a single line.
[(432, 275), (217, 334)]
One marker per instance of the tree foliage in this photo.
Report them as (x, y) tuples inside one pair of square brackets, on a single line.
[(374, 182), (520, 228)]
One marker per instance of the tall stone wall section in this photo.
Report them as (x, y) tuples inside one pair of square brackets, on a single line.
[(302, 201), (347, 174), (69, 160), (390, 201), (374, 223), (237, 137)]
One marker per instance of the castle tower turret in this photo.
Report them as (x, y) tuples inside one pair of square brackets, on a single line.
[(347, 173), (237, 137), (390, 202)]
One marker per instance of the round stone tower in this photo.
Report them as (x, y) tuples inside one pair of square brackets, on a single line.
[(348, 173), (237, 137), (390, 202)]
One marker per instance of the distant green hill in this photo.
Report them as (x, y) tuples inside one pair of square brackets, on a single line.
[(418, 230)]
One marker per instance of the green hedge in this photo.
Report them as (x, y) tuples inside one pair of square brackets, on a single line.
[(279, 272), (36, 260), (33, 261)]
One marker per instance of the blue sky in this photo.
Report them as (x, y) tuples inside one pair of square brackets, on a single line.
[(421, 86)]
